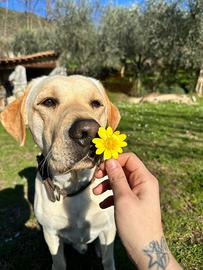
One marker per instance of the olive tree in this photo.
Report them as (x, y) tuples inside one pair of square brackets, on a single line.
[(160, 41), (110, 36), (128, 40), (25, 42), (195, 40), (33, 41), (180, 46), (76, 35)]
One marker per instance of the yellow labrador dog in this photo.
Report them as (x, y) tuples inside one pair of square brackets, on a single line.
[(63, 115)]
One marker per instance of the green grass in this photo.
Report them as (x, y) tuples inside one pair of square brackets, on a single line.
[(167, 137)]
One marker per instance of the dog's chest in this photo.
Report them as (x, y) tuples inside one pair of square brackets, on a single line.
[(81, 227), (77, 219)]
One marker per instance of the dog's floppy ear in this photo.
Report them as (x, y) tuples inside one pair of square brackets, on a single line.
[(13, 119), (113, 114)]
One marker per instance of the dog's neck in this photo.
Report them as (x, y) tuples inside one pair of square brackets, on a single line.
[(74, 180), (67, 185)]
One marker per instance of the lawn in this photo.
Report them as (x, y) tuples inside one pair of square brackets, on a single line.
[(167, 137)]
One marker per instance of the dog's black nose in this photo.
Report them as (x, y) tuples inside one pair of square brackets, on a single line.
[(83, 131)]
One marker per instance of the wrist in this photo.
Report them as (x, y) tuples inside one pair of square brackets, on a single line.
[(154, 254)]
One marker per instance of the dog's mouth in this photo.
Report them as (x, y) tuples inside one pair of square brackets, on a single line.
[(90, 156), (87, 160), (92, 153)]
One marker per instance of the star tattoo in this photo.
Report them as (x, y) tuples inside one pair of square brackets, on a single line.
[(158, 254)]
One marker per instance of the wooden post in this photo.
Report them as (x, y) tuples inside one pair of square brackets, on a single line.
[(199, 86)]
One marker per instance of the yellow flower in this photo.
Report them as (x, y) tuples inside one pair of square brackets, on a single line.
[(110, 143)]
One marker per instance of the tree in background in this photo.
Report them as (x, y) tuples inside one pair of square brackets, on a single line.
[(5, 19), (112, 24), (76, 36), (179, 43), (29, 7), (33, 41), (158, 43), (25, 42), (194, 43), (49, 9), (138, 39), (169, 32), (4, 47)]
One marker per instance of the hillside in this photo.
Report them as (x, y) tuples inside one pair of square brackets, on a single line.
[(18, 20)]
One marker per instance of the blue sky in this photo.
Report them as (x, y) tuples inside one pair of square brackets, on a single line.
[(18, 5), (40, 7)]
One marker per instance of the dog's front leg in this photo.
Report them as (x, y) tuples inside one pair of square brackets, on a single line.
[(56, 249), (107, 244)]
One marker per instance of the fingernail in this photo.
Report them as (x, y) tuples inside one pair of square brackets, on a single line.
[(111, 164)]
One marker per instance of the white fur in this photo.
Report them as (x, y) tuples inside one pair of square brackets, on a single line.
[(78, 220)]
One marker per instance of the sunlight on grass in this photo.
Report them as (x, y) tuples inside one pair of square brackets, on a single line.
[(167, 137)]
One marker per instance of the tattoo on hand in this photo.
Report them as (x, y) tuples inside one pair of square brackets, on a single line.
[(158, 254)]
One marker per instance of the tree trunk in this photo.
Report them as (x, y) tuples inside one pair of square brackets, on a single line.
[(122, 71), (199, 86), (135, 91)]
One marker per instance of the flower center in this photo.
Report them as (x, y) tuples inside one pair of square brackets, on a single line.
[(110, 143)]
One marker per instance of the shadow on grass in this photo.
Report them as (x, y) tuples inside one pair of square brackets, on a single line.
[(29, 174), (23, 246)]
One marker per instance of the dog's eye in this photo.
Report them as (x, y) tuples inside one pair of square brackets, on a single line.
[(96, 103), (50, 102)]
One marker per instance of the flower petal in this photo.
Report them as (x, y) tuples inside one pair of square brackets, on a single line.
[(102, 133), (99, 146), (107, 154), (114, 154), (122, 137), (123, 144), (97, 140), (100, 151), (116, 132), (109, 131), (119, 149)]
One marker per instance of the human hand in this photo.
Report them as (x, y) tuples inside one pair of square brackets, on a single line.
[(137, 210)]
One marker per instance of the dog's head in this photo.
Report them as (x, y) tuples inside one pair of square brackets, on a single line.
[(64, 115)]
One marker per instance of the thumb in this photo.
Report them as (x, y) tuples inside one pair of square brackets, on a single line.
[(117, 178)]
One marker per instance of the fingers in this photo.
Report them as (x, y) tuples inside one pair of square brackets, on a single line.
[(117, 178), (130, 164), (129, 161), (102, 187), (101, 172), (126, 175)]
